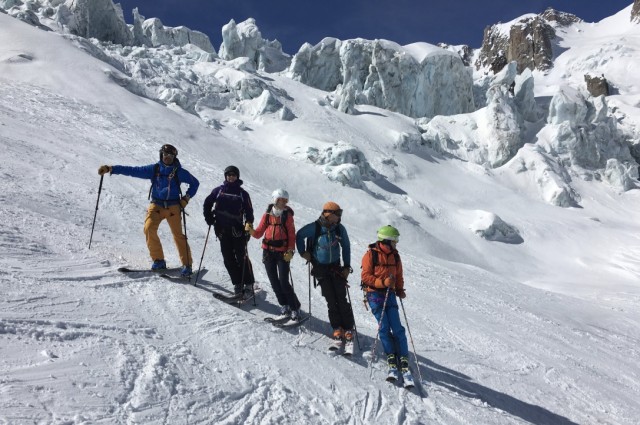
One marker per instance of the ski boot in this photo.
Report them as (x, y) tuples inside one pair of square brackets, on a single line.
[(348, 342), (392, 375), (407, 377), (336, 343), (186, 271), (158, 265)]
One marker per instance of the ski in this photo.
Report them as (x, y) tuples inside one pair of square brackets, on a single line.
[(335, 345), (163, 271), (407, 379), (182, 279), (393, 375), (277, 319), (236, 300), (291, 323), (348, 348)]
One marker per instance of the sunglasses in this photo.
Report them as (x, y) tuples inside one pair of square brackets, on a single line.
[(170, 155), (231, 174), (338, 213)]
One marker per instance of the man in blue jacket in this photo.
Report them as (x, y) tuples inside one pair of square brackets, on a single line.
[(325, 238), (167, 203), (227, 209)]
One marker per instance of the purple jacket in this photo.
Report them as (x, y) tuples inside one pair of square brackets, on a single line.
[(232, 206)]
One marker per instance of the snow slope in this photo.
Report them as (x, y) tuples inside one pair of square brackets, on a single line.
[(542, 332)]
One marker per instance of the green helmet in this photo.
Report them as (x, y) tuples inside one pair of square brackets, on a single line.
[(388, 233)]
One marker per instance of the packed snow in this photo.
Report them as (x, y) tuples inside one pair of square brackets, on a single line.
[(521, 277)]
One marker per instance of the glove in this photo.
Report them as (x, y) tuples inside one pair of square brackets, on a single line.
[(104, 169), (288, 256), (400, 293), (248, 227), (306, 255), (184, 201), (390, 282), (346, 270), (210, 219)]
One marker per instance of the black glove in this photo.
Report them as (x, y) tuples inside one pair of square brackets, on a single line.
[(210, 219)]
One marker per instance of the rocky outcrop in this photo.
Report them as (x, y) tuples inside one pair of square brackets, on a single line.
[(635, 12), (527, 41), (597, 86), (462, 50)]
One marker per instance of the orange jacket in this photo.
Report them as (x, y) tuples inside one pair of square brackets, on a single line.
[(387, 264), (271, 227)]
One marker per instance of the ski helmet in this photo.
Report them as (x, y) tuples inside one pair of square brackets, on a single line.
[(388, 233), (232, 169), (331, 208), (168, 149), (278, 194)]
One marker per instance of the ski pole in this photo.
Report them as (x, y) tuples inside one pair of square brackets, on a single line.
[(186, 240), (354, 318), (201, 258), (245, 266), (96, 213), (309, 269), (415, 355), (375, 343)]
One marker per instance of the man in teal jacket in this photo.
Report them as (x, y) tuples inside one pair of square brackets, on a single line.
[(167, 202), (325, 239)]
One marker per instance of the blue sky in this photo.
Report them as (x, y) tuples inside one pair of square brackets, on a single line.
[(403, 21)]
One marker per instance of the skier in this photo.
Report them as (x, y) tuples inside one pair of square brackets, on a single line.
[(382, 281), (324, 239), (278, 244), (167, 203), (226, 209)]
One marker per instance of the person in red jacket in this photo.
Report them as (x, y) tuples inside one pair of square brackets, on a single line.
[(383, 281), (279, 241)]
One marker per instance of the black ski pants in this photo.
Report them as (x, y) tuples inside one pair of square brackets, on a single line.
[(278, 273), (233, 243), (334, 290)]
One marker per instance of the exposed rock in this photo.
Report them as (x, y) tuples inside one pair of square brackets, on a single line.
[(462, 50), (635, 11), (528, 41), (597, 86)]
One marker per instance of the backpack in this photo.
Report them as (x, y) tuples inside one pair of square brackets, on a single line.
[(173, 174), (283, 223), (311, 243), (375, 261)]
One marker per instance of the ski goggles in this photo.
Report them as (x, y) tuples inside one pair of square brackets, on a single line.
[(168, 154), (338, 213)]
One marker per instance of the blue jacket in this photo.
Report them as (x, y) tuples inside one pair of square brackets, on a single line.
[(165, 186), (326, 250), (232, 205)]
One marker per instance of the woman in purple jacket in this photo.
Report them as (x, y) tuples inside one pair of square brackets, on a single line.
[(227, 209)]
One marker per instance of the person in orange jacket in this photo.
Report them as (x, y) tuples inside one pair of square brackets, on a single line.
[(383, 281), (278, 244)]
